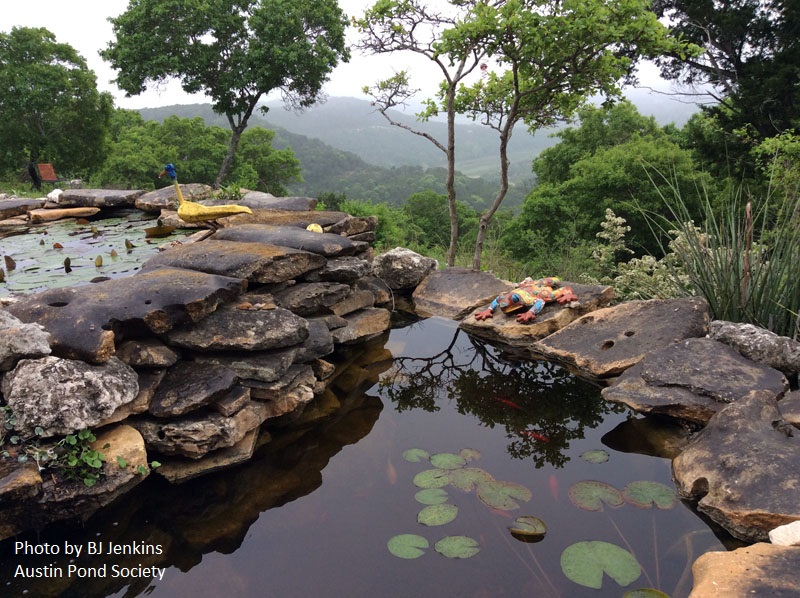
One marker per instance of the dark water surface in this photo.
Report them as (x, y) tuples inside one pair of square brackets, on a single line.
[(311, 514)]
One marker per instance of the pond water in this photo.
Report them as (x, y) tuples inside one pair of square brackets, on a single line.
[(75, 252), (314, 512)]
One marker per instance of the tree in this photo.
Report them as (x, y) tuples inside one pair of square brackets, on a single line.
[(617, 159), (50, 108), (410, 26), (236, 51), (749, 64), (551, 57)]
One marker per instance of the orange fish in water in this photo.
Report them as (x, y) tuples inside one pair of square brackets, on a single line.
[(553, 483), (391, 473), (507, 403), (534, 435)]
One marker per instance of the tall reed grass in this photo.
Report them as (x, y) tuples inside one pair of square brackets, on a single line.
[(743, 257)]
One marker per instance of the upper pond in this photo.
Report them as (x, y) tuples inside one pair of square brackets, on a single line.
[(317, 510)]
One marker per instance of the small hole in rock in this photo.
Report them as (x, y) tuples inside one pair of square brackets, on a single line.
[(148, 302), (58, 304), (607, 345), (629, 333), (161, 435)]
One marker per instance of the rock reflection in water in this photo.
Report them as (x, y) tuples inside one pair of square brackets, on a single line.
[(215, 512)]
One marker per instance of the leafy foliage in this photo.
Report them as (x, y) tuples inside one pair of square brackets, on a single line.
[(236, 51), (78, 459), (50, 109)]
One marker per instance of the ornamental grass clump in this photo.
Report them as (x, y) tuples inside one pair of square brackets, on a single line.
[(743, 258)]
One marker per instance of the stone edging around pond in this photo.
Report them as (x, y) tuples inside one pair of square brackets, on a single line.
[(205, 302)]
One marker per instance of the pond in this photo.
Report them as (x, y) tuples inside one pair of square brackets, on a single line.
[(323, 506)]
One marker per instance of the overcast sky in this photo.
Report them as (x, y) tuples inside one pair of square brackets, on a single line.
[(84, 25)]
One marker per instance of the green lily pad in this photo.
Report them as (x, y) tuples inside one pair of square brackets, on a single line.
[(645, 494), (467, 478), (432, 478), (590, 495), (528, 525), (447, 461), (470, 454), (595, 456), (415, 455), (437, 514), (503, 495), (457, 547), (407, 546), (431, 496), (585, 562), (645, 593)]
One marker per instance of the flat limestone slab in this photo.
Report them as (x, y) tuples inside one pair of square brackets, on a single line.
[(608, 341), (166, 198), (48, 215), (18, 206), (692, 380), (98, 198), (454, 292), (81, 320), (289, 236), (743, 468), (177, 471), (758, 570), (285, 212), (256, 262), (506, 330)]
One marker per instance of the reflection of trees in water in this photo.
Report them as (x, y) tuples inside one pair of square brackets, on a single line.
[(541, 406)]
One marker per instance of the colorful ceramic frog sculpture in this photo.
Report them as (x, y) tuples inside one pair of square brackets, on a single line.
[(530, 295)]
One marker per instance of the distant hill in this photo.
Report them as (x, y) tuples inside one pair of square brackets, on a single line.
[(346, 146)]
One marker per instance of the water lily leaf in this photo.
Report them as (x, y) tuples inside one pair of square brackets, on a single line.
[(470, 454), (645, 593), (437, 514), (407, 546), (415, 455), (432, 478), (585, 562), (447, 461), (595, 456), (503, 495), (645, 494), (590, 495), (467, 478), (528, 525), (431, 496), (457, 547)]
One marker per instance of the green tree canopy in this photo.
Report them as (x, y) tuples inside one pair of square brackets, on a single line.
[(750, 63), (50, 109), (633, 174), (139, 149), (236, 51)]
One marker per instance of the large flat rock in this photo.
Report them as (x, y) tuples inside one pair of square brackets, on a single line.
[(255, 262), (285, 216), (757, 570), (743, 468), (233, 329), (454, 292), (98, 198), (506, 330), (608, 341), (18, 206), (692, 380), (82, 321), (290, 236)]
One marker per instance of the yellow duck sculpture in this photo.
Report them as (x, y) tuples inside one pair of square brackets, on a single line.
[(190, 211)]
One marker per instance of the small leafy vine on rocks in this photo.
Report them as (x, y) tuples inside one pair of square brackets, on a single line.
[(78, 460)]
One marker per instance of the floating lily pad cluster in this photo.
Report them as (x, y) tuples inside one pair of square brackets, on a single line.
[(71, 253), (584, 562), (451, 469)]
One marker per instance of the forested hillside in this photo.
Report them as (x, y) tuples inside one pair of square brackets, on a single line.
[(326, 168)]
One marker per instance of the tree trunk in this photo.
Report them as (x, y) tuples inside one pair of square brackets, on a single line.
[(486, 217), (225, 169), (450, 182)]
